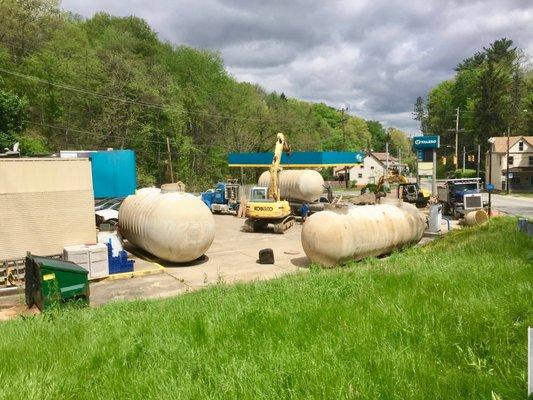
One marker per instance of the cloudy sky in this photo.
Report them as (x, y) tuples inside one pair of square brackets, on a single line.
[(372, 56)]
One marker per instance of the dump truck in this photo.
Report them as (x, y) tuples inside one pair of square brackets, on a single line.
[(460, 196), (223, 198)]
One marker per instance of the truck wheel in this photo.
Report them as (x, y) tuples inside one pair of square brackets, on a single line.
[(455, 214)]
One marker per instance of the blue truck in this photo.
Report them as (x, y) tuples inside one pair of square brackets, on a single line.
[(223, 198), (460, 196)]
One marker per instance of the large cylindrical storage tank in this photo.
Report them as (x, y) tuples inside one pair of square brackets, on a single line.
[(173, 226), (303, 185), (332, 237)]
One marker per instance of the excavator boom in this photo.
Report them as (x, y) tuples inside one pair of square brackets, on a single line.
[(270, 209), (273, 187)]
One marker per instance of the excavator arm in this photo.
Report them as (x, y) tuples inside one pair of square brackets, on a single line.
[(273, 187), (391, 178)]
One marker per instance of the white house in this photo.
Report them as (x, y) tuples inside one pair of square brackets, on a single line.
[(520, 162), (373, 166)]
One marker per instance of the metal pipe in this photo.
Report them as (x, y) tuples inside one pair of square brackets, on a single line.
[(490, 178), (478, 159), (464, 157), (434, 176), (507, 173)]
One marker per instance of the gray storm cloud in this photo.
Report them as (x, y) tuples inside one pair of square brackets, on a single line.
[(374, 56)]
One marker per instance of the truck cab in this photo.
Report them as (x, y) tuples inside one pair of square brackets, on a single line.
[(224, 197)]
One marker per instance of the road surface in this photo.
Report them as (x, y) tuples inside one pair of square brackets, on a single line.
[(513, 205)]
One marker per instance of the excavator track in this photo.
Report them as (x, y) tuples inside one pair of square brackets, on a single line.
[(284, 224), (253, 225)]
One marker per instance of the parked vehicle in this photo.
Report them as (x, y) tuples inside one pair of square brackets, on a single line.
[(223, 198), (412, 193), (108, 215), (459, 196), (102, 204)]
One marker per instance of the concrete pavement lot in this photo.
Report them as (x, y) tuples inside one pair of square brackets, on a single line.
[(231, 258)]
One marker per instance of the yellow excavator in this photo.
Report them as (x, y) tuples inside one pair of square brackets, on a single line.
[(265, 206), (407, 191)]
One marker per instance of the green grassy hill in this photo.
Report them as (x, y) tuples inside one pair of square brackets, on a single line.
[(446, 321)]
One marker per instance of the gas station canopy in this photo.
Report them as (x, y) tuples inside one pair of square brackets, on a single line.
[(298, 159)]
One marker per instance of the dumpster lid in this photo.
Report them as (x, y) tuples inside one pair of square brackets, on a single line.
[(59, 264)]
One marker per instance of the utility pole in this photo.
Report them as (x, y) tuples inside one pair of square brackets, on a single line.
[(507, 173), (478, 159), (386, 172), (434, 175), (170, 161), (457, 139), (400, 161), (490, 176), (346, 177), (464, 158)]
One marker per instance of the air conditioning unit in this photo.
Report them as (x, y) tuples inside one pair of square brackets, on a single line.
[(93, 258), (473, 202)]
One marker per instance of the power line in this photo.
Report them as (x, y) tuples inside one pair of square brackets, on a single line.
[(119, 99), (103, 136)]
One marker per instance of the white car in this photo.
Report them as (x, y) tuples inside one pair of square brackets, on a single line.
[(108, 215)]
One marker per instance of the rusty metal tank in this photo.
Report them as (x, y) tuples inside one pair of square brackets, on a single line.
[(304, 185), (174, 226), (476, 217), (337, 235)]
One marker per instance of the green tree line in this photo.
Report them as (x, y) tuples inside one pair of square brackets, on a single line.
[(493, 90), (73, 83)]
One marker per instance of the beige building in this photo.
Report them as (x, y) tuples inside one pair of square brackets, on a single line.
[(45, 204), (373, 166), (520, 162)]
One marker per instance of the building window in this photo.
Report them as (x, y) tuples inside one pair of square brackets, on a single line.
[(530, 160), (361, 166), (359, 175), (371, 167), (520, 146), (510, 160)]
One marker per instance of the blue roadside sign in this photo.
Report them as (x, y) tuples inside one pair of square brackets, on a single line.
[(426, 142), (490, 187)]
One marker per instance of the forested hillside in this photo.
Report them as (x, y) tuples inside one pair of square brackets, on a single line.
[(73, 83), (493, 90)]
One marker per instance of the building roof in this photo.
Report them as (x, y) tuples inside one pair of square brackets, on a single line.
[(297, 159), (500, 142), (383, 157), (378, 156)]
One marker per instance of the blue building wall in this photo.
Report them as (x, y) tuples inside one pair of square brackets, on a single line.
[(114, 173), (298, 159)]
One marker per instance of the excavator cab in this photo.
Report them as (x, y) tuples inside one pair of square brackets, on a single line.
[(411, 193), (259, 194)]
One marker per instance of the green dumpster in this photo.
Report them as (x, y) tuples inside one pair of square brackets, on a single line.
[(50, 281)]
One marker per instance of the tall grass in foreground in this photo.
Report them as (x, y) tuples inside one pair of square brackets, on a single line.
[(446, 321)]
